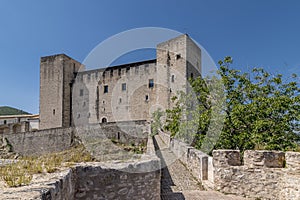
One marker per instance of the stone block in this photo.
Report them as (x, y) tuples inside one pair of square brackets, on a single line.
[(226, 158), (270, 159), (292, 159)]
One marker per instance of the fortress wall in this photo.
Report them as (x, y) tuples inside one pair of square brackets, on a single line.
[(59, 139), (195, 160), (40, 142), (116, 104), (263, 174)]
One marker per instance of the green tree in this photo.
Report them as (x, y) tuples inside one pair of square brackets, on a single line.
[(253, 110), (156, 123)]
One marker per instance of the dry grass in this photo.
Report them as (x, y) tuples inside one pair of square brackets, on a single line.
[(21, 172)]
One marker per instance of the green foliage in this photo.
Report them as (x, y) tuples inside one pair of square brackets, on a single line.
[(6, 110), (156, 123), (257, 110)]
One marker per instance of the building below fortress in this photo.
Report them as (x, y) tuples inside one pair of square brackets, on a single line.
[(70, 96)]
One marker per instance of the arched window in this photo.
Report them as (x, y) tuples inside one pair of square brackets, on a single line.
[(104, 120)]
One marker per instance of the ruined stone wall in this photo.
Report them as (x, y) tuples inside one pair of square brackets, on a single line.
[(133, 179), (40, 142), (118, 181), (59, 139), (128, 132), (263, 174)]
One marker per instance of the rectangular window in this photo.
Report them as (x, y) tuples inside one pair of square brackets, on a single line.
[(81, 92), (105, 89), (123, 86), (151, 83), (147, 97), (173, 78)]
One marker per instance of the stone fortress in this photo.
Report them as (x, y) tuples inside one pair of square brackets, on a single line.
[(71, 96), (117, 102)]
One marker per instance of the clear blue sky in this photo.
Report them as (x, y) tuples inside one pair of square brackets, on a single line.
[(254, 32)]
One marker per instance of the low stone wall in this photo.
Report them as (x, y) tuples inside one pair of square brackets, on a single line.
[(199, 163), (40, 142), (59, 139), (262, 176), (165, 137), (132, 180), (138, 180)]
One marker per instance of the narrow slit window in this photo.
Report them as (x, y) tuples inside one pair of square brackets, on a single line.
[(123, 86), (105, 89), (151, 83)]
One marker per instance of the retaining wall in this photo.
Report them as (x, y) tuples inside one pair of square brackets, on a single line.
[(59, 139)]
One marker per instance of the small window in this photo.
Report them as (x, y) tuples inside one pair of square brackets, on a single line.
[(53, 111), (146, 97), (103, 75), (123, 86), (111, 72), (192, 75), (105, 89), (172, 78), (5, 122), (89, 115), (104, 120), (151, 83), (81, 92), (84, 104), (120, 72), (136, 69), (89, 77), (120, 100), (127, 69), (178, 56)]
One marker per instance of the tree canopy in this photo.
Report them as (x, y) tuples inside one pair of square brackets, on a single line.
[(238, 110)]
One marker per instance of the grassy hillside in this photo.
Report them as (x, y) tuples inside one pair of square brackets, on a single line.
[(6, 110)]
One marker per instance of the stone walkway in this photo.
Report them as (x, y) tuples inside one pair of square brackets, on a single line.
[(178, 183)]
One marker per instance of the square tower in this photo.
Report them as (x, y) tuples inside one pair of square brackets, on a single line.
[(57, 73)]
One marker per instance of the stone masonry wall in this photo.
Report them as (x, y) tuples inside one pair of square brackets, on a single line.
[(262, 176), (59, 139), (40, 142), (135, 179), (196, 161), (118, 181)]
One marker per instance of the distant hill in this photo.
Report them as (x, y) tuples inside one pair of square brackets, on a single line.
[(6, 110)]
